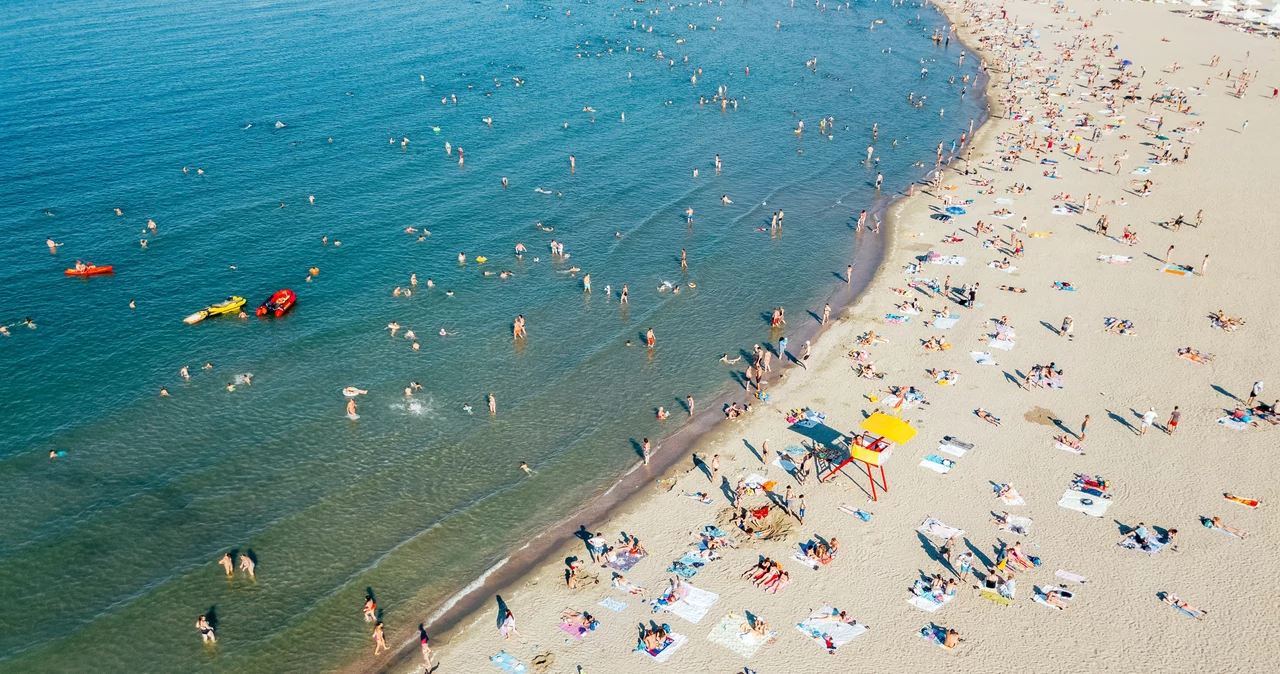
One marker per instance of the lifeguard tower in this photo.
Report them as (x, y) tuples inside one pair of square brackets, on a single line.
[(873, 447)]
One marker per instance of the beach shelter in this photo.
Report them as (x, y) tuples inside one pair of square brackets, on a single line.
[(1274, 18), (1226, 7), (872, 447)]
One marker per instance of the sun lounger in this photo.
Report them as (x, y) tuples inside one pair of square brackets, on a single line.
[(673, 643), (728, 633), (508, 663), (828, 632), (936, 529), (1082, 502)]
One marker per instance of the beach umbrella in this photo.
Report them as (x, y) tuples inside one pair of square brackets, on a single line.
[(1251, 3), (955, 210), (1249, 15), (1274, 18), (1227, 7), (1126, 62), (1198, 3)]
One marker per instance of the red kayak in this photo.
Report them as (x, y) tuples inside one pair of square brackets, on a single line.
[(91, 270), (279, 303)]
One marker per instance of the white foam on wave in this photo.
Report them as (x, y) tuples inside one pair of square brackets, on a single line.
[(462, 594)]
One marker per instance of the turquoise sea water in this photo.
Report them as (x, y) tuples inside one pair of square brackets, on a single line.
[(107, 554)]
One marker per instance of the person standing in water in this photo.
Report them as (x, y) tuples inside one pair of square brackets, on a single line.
[(493, 405), (648, 336), (573, 164), (646, 450), (848, 275), (379, 639), (228, 562), (206, 630), (351, 408), (622, 299), (688, 401), (684, 260), (718, 156), (247, 565), (586, 283)]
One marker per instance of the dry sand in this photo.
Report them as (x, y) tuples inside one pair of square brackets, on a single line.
[(1116, 622)]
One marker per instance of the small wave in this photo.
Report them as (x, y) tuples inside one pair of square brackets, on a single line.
[(472, 587)]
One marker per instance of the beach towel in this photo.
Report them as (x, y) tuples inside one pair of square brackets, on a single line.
[(1002, 344), (828, 632), (1142, 171), (673, 643), (1067, 448), (982, 357), (1012, 498), (1154, 546), (1178, 269), (1064, 285), (1008, 270), (754, 483), (937, 464), (575, 631), (1040, 235), (1115, 259), (612, 604), (953, 446), (934, 635), (1018, 525), (1185, 612), (728, 633), (932, 527), (1233, 423), (508, 663), (1067, 575), (1041, 598), (895, 319), (856, 512), (924, 600), (1246, 502), (622, 561), (1061, 210), (997, 597), (805, 559), (945, 323), (693, 606), (789, 458), (1084, 503)]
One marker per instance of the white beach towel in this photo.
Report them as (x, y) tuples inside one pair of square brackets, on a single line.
[(819, 627), (754, 482), (1067, 575), (945, 323), (806, 560), (1115, 259), (937, 467), (926, 603), (1074, 500), (728, 633), (1002, 344), (982, 358), (953, 449), (932, 527), (1018, 525), (677, 640), (1013, 498), (1233, 424), (1067, 448), (694, 606)]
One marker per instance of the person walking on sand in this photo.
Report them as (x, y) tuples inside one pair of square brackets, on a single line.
[(715, 467), (826, 313), (1253, 395), (1167, 253), (1174, 417), (764, 452), (788, 501), (800, 512), (1067, 326), (370, 609), (848, 275), (1204, 265), (379, 639), (1084, 427), (508, 626), (1148, 420)]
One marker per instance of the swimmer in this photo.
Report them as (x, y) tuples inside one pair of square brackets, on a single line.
[(466, 407), (231, 386), (393, 326), (725, 200), (163, 393), (724, 358), (208, 366), (409, 335), (53, 247), (444, 333), (351, 408), (132, 305)]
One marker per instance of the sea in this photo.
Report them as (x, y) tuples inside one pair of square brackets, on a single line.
[(219, 120)]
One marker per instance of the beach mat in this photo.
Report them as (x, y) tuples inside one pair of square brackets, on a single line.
[(945, 323), (612, 604), (982, 358), (936, 529), (1067, 575), (1074, 500), (673, 643), (927, 604), (937, 464), (694, 606), (819, 627), (508, 663), (728, 633)]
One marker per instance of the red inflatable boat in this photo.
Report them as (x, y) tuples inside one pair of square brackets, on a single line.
[(279, 303)]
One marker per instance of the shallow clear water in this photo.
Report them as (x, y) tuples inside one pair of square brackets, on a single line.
[(108, 554)]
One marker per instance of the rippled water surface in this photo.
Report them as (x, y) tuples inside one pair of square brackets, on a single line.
[(107, 554)]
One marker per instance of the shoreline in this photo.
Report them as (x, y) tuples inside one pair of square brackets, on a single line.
[(466, 606)]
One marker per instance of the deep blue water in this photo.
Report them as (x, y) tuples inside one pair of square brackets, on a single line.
[(109, 553)]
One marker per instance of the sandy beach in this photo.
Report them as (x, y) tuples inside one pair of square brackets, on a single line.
[(1133, 304)]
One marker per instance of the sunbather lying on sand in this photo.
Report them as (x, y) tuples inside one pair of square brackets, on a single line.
[(1195, 356), (1173, 600), (620, 582), (1221, 320), (1216, 523), (870, 339), (987, 416), (1013, 289), (1053, 597), (1068, 441)]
